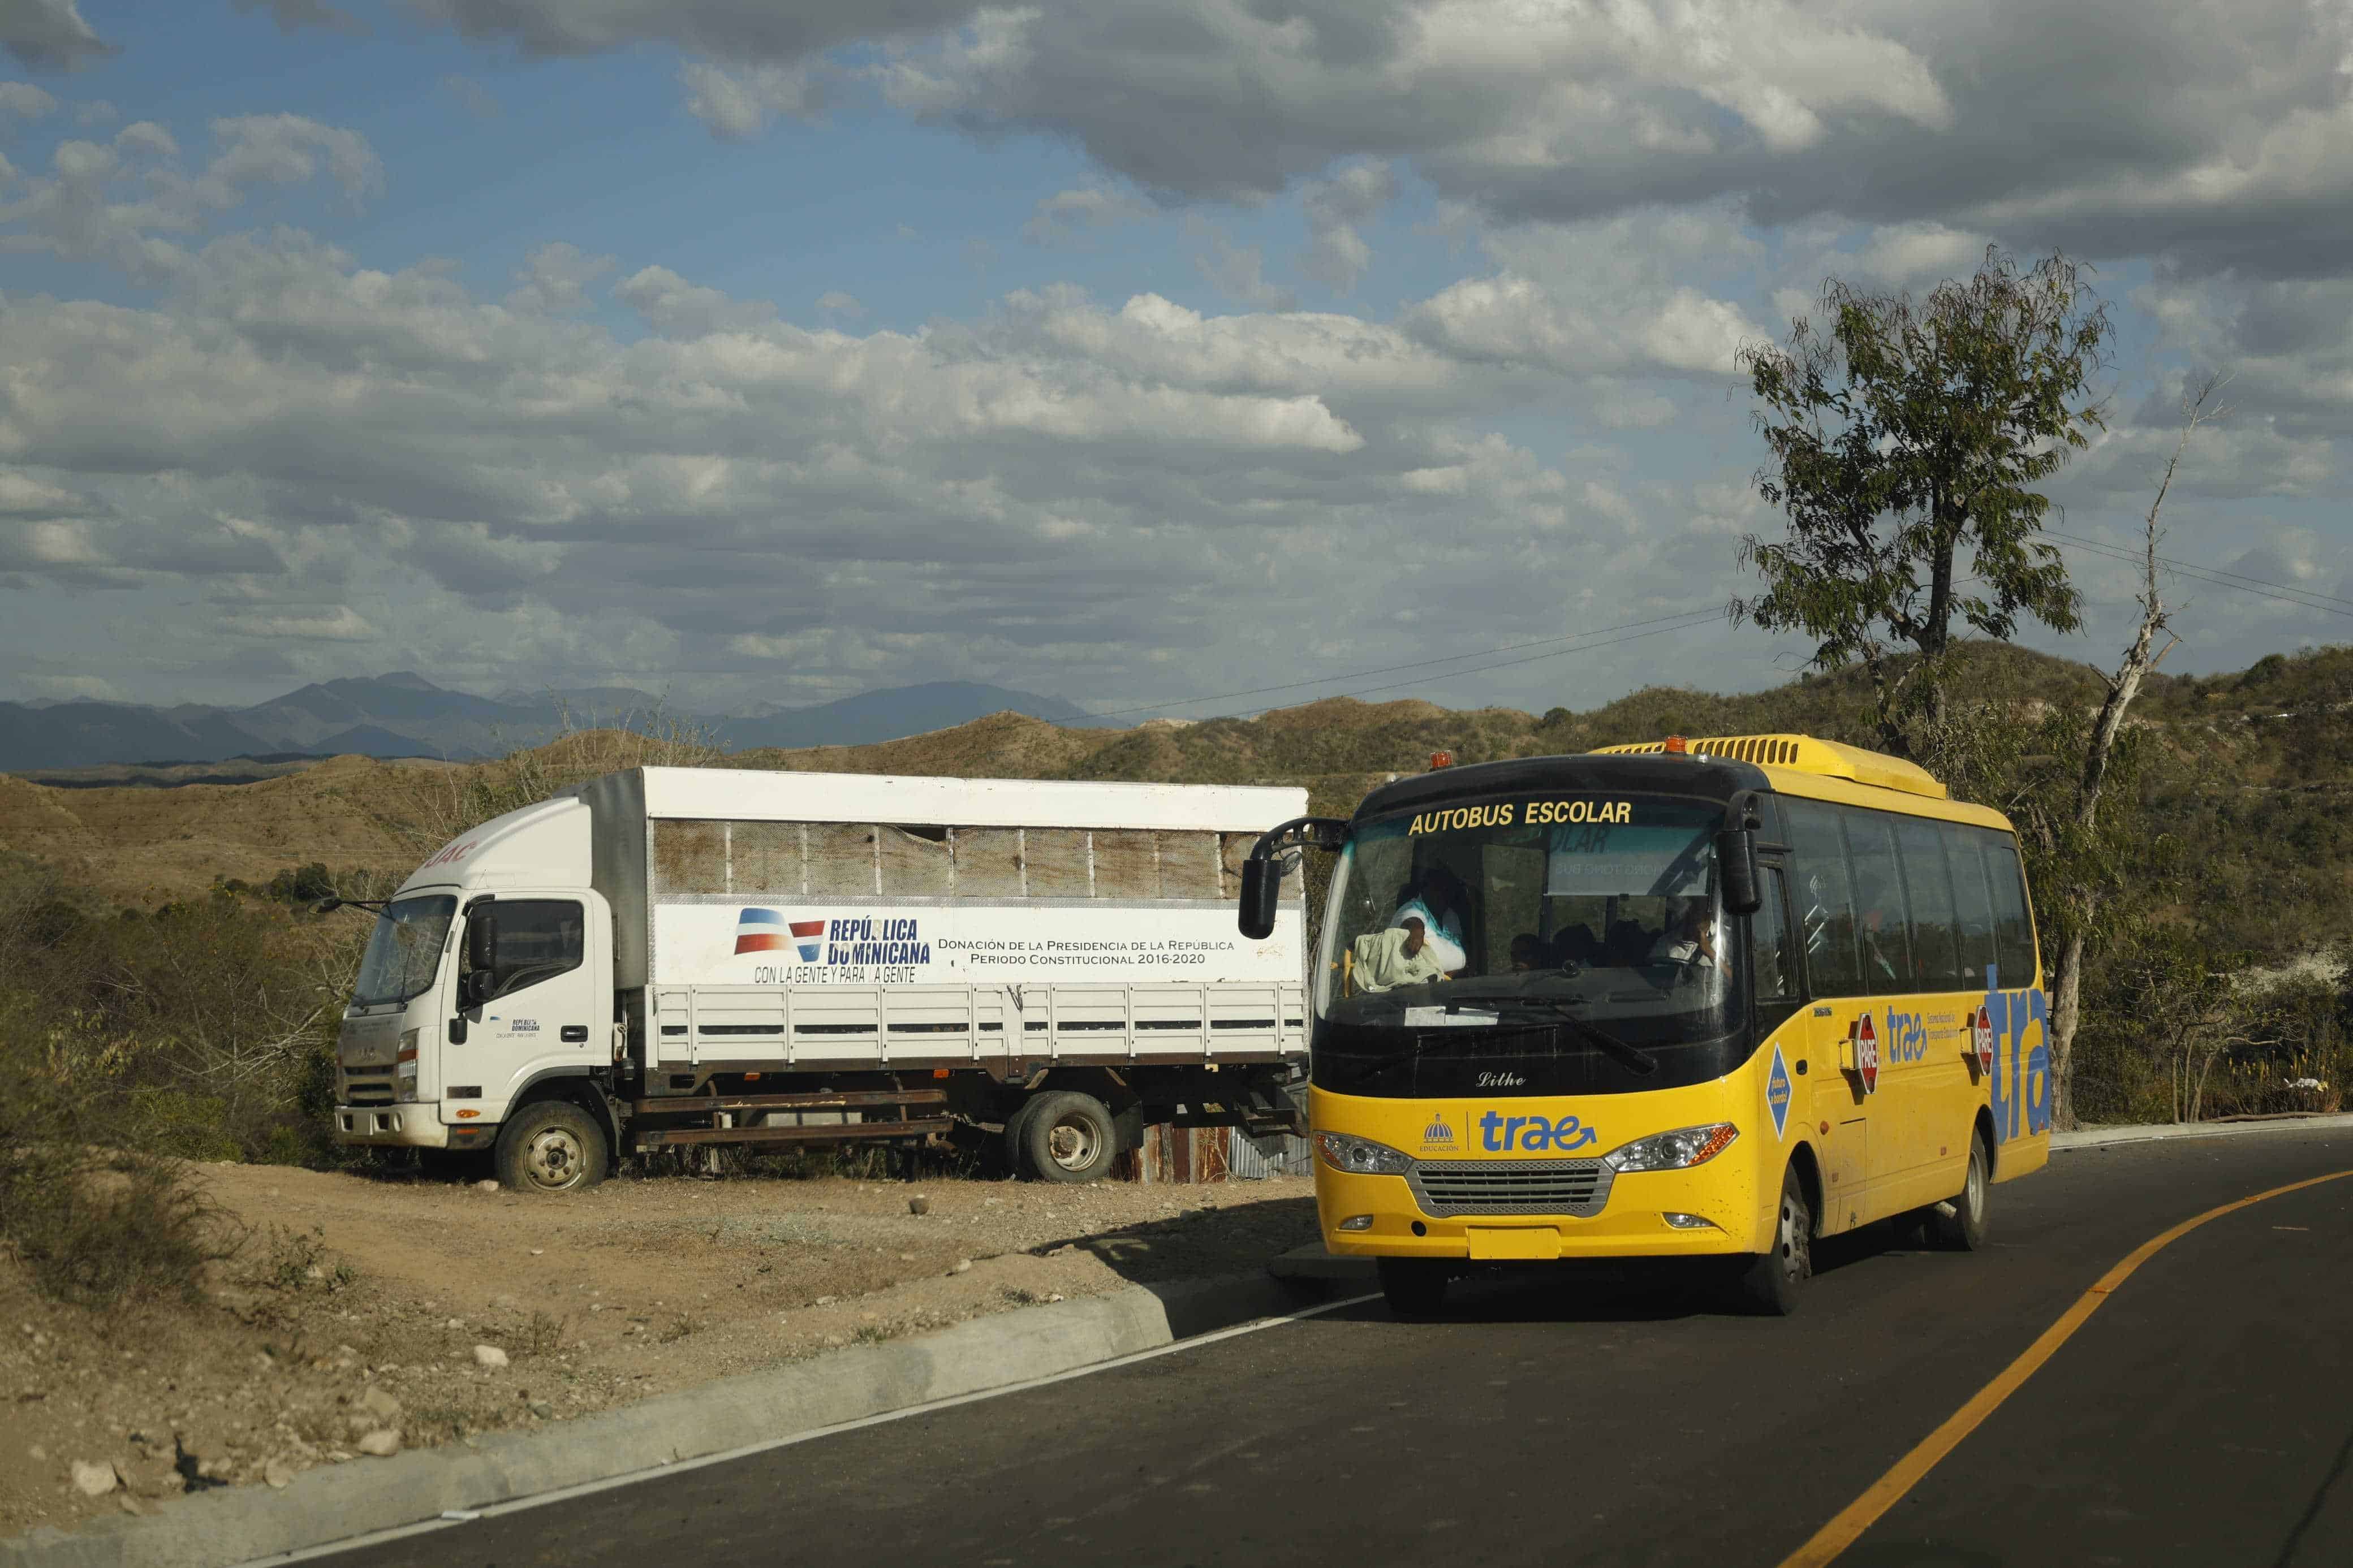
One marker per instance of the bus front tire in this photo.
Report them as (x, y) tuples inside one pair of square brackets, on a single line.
[(1769, 1286), (1413, 1287), (551, 1147), (1960, 1225), (1064, 1136)]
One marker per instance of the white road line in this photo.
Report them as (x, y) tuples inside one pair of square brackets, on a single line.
[(586, 1489)]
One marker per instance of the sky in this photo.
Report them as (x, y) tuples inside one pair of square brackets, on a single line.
[(1171, 356)]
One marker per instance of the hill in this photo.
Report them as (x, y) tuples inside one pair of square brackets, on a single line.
[(2255, 760), (405, 715)]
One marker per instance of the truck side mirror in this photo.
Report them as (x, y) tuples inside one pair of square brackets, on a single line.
[(1261, 896), (483, 938), (477, 987), (1735, 863)]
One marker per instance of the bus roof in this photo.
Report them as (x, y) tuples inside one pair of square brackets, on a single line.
[(1806, 754)]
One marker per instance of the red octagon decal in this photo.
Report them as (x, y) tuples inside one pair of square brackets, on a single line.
[(1866, 1054), (1982, 1036)]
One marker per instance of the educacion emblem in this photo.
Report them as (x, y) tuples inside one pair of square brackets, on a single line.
[(1776, 1093)]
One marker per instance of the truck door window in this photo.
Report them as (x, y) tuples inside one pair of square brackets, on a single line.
[(538, 938)]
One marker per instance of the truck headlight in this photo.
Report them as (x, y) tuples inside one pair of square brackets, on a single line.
[(1676, 1151), (1361, 1157), (404, 1067)]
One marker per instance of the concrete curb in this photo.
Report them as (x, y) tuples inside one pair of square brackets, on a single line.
[(2109, 1137), (331, 1503)]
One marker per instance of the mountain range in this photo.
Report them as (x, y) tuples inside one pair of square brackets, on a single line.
[(405, 715)]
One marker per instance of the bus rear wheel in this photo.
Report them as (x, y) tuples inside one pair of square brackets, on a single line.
[(1413, 1287), (1961, 1225), (1769, 1286)]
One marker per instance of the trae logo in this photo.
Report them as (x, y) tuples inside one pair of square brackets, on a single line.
[(1530, 1134)]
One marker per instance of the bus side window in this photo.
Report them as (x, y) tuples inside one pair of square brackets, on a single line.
[(1823, 902), (2013, 926), (1936, 957), (1768, 934), (1881, 922), (1973, 906)]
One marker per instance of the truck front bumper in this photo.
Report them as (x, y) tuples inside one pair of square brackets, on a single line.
[(403, 1126)]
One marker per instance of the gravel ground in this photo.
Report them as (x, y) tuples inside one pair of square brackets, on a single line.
[(350, 1318)]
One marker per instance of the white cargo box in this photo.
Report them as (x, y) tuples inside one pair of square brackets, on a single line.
[(805, 919)]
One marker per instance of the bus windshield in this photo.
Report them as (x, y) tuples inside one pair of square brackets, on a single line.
[(1538, 946)]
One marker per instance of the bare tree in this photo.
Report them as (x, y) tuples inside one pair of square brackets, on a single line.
[(2073, 841)]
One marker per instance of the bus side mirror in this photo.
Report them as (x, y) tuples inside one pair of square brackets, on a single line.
[(1261, 895), (1736, 861)]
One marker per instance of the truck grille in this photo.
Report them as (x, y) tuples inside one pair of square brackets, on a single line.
[(367, 1086), (1578, 1187)]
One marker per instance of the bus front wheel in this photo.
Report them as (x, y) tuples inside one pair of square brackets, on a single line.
[(1769, 1286), (1959, 1225), (1413, 1287)]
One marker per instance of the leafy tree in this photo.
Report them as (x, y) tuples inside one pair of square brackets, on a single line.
[(1900, 432)]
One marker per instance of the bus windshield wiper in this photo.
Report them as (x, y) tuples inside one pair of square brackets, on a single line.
[(1632, 1058)]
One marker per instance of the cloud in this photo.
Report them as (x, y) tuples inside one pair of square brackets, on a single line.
[(334, 623), (736, 104), (116, 202), (1064, 218), (1336, 208), (472, 96), (834, 303), (294, 15), (556, 279), (1237, 271), (22, 102), (50, 35)]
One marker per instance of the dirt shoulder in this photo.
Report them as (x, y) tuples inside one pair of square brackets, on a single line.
[(356, 1305)]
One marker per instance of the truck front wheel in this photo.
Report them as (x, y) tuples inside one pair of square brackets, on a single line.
[(1065, 1136), (552, 1146)]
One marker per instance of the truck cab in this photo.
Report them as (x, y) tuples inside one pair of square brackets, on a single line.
[(487, 979)]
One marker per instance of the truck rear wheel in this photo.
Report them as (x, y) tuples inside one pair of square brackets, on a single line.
[(1064, 1136), (551, 1146)]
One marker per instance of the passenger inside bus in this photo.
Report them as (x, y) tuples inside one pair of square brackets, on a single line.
[(1690, 936), (1401, 955), (1575, 945), (1873, 900), (1528, 952), (1435, 896)]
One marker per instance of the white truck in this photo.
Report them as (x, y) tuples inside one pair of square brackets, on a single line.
[(673, 957)]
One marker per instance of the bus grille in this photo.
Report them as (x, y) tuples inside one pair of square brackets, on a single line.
[(365, 1087), (1578, 1187)]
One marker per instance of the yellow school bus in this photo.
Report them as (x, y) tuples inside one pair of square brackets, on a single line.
[(1705, 999)]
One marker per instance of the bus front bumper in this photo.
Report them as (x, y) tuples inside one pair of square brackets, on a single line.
[(407, 1125), (1633, 1223)]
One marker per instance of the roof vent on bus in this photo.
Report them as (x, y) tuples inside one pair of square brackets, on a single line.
[(1804, 753)]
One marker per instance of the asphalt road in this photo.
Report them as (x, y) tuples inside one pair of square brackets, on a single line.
[(2203, 1415)]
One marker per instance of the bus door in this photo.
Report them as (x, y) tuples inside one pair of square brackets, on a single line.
[(1822, 899)]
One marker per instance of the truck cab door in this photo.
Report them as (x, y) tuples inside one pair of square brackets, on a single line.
[(534, 986)]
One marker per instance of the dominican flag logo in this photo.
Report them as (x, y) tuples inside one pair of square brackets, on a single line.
[(766, 931)]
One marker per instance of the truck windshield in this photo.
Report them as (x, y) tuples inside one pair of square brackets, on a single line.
[(1536, 946), (405, 949)]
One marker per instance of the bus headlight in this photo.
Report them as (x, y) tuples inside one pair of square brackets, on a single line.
[(1361, 1157), (1676, 1151)]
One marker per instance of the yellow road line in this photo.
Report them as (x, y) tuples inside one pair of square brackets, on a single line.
[(1886, 1491)]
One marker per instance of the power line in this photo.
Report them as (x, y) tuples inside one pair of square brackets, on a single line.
[(1690, 620), (1660, 621), (2327, 603)]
